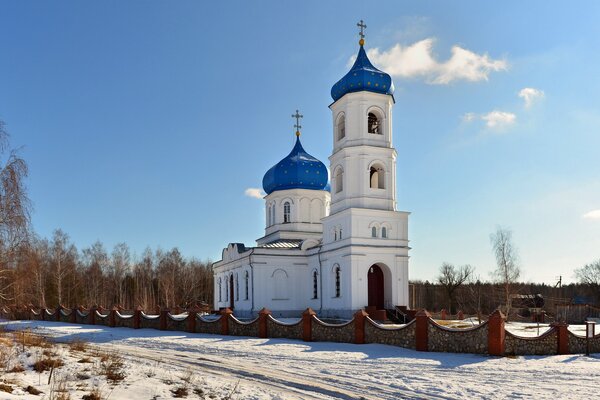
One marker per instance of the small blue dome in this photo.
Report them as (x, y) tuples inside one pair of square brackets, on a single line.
[(363, 76), (299, 170)]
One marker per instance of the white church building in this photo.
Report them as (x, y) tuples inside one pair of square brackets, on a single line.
[(335, 247)]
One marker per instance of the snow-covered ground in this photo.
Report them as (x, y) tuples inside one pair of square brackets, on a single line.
[(288, 369)]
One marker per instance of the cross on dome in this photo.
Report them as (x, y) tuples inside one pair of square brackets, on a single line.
[(362, 27), (297, 125)]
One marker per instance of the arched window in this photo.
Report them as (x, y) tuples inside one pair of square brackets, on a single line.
[(273, 214), (280, 290), (246, 283), (315, 285), (374, 124), (269, 215), (340, 236), (374, 231), (383, 232), (335, 236), (341, 128), (339, 180), (286, 212), (226, 289), (337, 281), (237, 287), (220, 290), (377, 177)]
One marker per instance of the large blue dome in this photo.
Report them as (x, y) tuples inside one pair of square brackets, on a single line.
[(299, 170), (363, 76)]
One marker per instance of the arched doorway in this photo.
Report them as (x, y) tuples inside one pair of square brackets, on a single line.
[(375, 287), (231, 291)]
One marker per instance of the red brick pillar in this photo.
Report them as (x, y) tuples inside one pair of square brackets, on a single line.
[(460, 316), (73, 316), (137, 317), (359, 326), (263, 315), (191, 318), (444, 314), (421, 330), (496, 334), (57, 312), (43, 312), (112, 317), (92, 315), (562, 337), (307, 317), (225, 313), (164, 314)]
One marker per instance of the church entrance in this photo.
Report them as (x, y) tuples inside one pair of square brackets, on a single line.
[(231, 302), (375, 287)]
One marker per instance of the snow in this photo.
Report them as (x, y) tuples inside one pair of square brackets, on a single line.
[(290, 369)]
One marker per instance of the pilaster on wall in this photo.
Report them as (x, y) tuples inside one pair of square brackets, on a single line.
[(421, 330), (562, 337), (307, 317), (225, 313), (496, 334)]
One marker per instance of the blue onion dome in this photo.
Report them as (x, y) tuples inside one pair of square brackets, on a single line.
[(299, 170), (363, 76)]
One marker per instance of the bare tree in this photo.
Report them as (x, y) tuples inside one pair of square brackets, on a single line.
[(451, 278), (589, 275), (14, 209), (120, 266), (507, 269)]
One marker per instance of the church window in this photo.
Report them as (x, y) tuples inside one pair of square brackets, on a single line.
[(335, 236), (226, 289), (269, 215), (220, 290), (377, 177), (374, 124), (384, 232), (337, 281), (341, 128), (280, 291), (237, 287), (286, 212), (340, 234), (339, 180), (273, 214), (246, 283), (315, 285), (374, 232)]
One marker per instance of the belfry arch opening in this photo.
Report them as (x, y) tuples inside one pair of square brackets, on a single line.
[(377, 177), (374, 124)]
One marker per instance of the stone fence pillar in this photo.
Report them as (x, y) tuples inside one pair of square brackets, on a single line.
[(359, 326), (225, 313), (263, 315), (73, 316), (496, 334), (444, 314), (307, 317), (421, 330), (191, 318), (137, 317), (460, 316), (57, 312), (562, 337), (164, 314), (112, 317), (92, 315)]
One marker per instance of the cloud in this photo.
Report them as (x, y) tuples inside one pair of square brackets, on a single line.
[(255, 193), (418, 61), (594, 214), (531, 95), (493, 120)]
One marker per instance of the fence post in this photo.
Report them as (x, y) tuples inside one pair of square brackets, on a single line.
[(225, 313), (263, 315), (57, 311), (73, 316), (307, 317), (421, 330), (112, 317), (562, 337), (496, 334), (460, 316), (444, 314), (92, 315), (359, 326), (164, 314), (191, 318), (137, 317)]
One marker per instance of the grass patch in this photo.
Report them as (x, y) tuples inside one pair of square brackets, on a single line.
[(32, 390), (180, 392), (45, 364), (6, 388), (112, 366)]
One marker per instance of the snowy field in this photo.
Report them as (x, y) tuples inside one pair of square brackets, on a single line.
[(250, 368)]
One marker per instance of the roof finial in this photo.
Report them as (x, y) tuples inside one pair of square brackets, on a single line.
[(297, 125), (362, 27)]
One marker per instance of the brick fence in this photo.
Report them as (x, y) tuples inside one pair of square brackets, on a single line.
[(422, 334)]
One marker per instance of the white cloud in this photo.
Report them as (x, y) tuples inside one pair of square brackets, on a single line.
[(594, 214), (531, 95), (418, 60), (255, 193), (493, 120), (498, 119)]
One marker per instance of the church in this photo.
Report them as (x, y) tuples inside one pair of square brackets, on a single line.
[(333, 240)]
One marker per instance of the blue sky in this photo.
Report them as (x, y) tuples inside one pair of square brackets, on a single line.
[(145, 122)]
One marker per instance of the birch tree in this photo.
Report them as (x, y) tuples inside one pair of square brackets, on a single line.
[(507, 270)]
